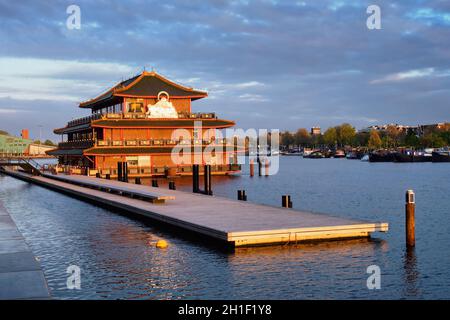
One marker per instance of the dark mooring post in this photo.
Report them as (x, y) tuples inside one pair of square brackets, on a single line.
[(137, 180), (241, 195), (125, 172), (195, 178), (286, 201), (172, 185), (410, 225), (108, 176), (119, 171), (155, 183), (207, 179)]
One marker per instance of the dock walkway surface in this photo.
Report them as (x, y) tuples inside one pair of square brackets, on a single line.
[(237, 223), (21, 276)]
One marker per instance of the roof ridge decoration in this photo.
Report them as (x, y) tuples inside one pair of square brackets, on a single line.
[(160, 77)]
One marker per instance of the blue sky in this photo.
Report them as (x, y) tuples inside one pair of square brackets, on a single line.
[(266, 64)]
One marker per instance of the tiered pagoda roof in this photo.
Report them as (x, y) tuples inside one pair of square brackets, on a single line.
[(145, 85)]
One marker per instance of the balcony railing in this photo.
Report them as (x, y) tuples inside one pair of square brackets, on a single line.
[(84, 120), (84, 144), (161, 143), (117, 116), (76, 144)]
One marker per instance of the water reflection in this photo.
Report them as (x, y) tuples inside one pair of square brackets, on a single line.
[(119, 260), (411, 274)]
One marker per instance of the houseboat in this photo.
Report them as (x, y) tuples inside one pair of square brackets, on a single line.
[(140, 121)]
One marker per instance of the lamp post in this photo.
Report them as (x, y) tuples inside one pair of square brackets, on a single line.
[(40, 139)]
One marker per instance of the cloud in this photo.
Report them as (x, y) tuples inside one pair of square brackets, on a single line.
[(430, 16), (32, 78), (11, 111), (298, 63), (412, 74), (252, 97)]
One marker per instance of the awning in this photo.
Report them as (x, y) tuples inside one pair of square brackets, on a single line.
[(65, 152)]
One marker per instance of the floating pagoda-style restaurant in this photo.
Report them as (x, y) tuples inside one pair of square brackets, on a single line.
[(134, 122)]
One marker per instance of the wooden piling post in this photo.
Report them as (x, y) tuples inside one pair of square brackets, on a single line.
[(266, 166), (286, 201), (259, 167), (252, 168), (239, 194), (108, 176), (155, 183), (172, 185), (410, 208), (137, 180)]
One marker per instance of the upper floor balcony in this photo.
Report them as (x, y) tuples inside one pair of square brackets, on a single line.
[(140, 116), (89, 143)]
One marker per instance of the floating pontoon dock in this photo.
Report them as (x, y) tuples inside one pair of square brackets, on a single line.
[(237, 223)]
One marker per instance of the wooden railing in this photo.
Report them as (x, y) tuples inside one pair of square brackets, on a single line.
[(89, 143), (76, 144), (160, 142), (84, 120), (181, 115)]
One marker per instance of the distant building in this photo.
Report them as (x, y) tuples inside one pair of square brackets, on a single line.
[(21, 146), (418, 130), (25, 134), (34, 149), (315, 131), (10, 145)]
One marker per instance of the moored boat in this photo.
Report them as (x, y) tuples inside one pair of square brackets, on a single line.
[(339, 154), (315, 155), (412, 156), (441, 156), (381, 156)]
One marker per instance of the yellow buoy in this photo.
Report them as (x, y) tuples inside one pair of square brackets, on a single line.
[(161, 244)]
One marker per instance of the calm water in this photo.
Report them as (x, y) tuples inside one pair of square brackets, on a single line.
[(118, 259)]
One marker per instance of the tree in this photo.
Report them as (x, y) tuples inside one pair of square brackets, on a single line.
[(287, 138), (346, 134), (411, 140), (361, 139), (302, 137), (330, 137), (432, 140), (394, 134), (49, 143), (374, 140)]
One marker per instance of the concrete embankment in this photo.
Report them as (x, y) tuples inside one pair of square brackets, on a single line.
[(21, 276)]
